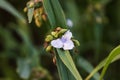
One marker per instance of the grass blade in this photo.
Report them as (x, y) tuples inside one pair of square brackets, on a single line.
[(115, 52), (100, 65), (59, 14), (83, 63), (8, 7), (49, 12), (68, 62), (64, 73)]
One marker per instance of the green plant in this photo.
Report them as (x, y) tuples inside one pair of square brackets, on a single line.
[(52, 20)]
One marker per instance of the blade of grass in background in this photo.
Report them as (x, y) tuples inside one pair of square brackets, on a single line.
[(30, 59), (115, 52), (102, 64), (72, 12), (33, 53), (98, 40), (8, 7), (83, 63)]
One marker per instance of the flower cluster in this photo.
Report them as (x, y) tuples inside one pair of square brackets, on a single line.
[(64, 42), (39, 13), (60, 38)]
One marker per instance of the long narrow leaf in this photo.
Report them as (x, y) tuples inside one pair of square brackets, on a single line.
[(64, 73), (49, 12), (59, 15), (83, 63), (68, 62), (112, 55), (8, 7), (100, 65)]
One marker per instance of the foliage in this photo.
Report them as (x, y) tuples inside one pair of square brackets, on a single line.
[(95, 25)]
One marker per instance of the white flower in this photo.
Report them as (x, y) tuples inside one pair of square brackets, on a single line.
[(69, 23), (64, 42)]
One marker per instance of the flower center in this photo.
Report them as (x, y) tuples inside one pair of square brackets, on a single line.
[(63, 39)]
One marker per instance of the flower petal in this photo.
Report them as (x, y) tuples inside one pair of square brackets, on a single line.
[(57, 43), (68, 35), (68, 45)]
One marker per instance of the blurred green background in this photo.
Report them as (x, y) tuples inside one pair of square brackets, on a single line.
[(96, 24)]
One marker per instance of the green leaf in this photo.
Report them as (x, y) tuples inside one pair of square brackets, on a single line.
[(98, 28), (115, 52), (100, 65), (68, 62), (28, 47), (55, 13), (83, 63), (8, 7), (24, 68), (30, 14), (49, 12), (59, 14), (63, 71)]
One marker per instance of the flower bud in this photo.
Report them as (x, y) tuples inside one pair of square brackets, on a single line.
[(25, 9), (49, 48), (36, 15), (38, 22), (62, 31), (45, 44), (99, 19), (58, 28), (49, 38), (76, 42), (41, 10), (54, 60), (44, 17), (55, 34), (31, 4), (98, 6), (36, 1)]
